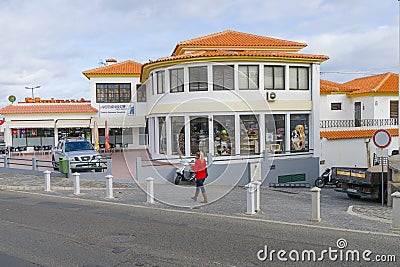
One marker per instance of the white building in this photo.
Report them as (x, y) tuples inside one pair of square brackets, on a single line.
[(233, 94), (113, 92), (351, 112)]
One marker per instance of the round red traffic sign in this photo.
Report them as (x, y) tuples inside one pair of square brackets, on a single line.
[(382, 138)]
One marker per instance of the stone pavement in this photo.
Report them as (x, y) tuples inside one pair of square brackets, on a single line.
[(289, 205)]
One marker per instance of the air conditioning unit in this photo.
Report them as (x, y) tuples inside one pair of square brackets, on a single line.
[(271, 96)]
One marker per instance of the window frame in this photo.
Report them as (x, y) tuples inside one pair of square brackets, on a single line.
[(298, 82), (225, 77), (141, 94), (246, 75), (274, 77), (160, 76), (113, 92), (200, 85), (336, 106), (179, 75)]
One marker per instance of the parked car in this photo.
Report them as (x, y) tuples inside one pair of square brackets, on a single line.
[(80, 153)]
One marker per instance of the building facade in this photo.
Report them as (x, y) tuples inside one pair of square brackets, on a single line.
[(113, 92), (234, 94)]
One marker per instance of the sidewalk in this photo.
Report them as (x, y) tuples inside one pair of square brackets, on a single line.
[(290, 205)]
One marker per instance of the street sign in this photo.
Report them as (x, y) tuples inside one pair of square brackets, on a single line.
[(382, 138)]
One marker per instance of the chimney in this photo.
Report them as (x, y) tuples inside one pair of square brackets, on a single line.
[(110, 61)]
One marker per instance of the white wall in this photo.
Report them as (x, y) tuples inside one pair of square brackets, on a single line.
[(350, 152), (347, 112)]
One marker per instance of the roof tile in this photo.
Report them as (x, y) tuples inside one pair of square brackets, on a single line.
[(48, 108), (127, 67), (351, 134), (231, 38), (381, 83)]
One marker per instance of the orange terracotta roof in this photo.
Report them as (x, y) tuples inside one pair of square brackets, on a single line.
[(334, 87), (40, 108), (231, 38), (350, 134), (127, 67), (381, 83)]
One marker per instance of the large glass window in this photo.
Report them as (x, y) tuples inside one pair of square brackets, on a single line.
[(298, 78), (198, 135), (160, 82), (178, 135), (249, 135), (224, 135), (198, 79), (248, 77), (32, 137), (143, 136), (162, 132), (275, 133), (299, 132), (176, 80), (274, 77), (223, 77), (113, 92), (141, 93)]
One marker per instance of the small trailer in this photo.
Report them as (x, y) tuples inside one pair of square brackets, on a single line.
[(361, 182)]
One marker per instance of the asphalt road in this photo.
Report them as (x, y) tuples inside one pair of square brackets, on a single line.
[(37, 230)]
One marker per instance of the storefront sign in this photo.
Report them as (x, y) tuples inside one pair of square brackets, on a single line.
[(122, 109), (2, 120)]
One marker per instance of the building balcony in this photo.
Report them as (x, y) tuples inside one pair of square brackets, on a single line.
[(386, 123)]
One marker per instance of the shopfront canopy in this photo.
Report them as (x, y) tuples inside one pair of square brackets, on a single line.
[(73, 123), (120, 121), (37, 124)]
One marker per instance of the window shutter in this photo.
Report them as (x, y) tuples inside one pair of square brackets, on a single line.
[(279, 76), (303, 78), (268, 77)]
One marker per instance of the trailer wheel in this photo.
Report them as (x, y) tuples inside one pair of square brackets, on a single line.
[(353, 196)]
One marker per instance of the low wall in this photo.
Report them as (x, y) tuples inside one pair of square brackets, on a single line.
[(238, 172)]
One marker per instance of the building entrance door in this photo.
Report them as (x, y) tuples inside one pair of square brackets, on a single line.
[(357, 114)]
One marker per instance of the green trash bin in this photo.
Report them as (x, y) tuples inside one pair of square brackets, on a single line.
[(64, 165)]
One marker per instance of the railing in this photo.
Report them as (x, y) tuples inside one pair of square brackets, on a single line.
[(358, 123)]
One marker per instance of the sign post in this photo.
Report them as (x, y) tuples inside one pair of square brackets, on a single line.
[(382, 140)]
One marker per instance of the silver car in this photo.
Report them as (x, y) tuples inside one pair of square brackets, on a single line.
[(80, 153)]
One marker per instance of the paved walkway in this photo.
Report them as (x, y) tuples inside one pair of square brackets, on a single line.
[(284, 205)]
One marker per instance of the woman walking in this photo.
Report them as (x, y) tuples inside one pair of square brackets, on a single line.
[(200, 168)]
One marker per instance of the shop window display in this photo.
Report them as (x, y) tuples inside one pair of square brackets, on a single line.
[(224, 135), (275, 133), (249, 135), (299, 132), (198, 135), (178, 135)]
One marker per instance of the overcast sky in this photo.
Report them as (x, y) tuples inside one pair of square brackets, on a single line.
[(50, 42)]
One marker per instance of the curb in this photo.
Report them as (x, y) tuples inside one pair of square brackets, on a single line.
[(363, 216)]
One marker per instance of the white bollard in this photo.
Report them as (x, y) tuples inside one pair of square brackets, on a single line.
[(150, 190), (250, 198), (109, 186), (315, 204), (257, 196), (77, 187), (396, 211), (47, 181)]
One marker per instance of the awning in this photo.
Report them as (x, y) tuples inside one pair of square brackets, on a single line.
[(78, 123), (120, 121), (30, 124)]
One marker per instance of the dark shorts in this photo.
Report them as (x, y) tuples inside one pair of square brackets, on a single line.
[(200, 182)]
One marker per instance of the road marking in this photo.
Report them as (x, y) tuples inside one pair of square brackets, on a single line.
[(215, 215)]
